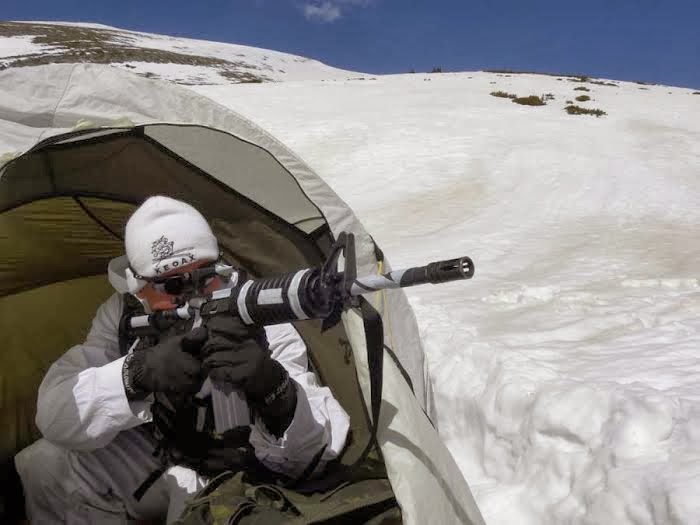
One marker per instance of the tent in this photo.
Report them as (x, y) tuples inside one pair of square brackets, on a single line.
[(81, 145)]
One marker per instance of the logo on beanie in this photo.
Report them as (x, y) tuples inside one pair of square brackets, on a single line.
[(162, 249)]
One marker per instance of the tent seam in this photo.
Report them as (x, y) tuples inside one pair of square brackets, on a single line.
[(96, 219), (58, 103), (60, 99)]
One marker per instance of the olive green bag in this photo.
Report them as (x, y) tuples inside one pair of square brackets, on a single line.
[(231, 499)]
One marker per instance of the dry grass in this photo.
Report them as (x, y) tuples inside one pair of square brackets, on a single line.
[(71, 44), (502, 94), (242, 77), (578, 110), (581, 88), (532, 100), (583, 98)]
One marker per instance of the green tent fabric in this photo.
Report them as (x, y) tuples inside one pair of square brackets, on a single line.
[(78, 151)]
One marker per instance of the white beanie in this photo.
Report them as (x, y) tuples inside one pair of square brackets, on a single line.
[(164, 234)]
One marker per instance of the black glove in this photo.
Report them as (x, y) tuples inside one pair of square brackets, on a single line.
[(239, 355), (210, 454), (220, 460), (170, 366)]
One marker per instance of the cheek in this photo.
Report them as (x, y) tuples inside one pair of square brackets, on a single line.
[(156, 300)]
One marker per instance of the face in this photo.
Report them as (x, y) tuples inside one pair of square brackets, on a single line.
[(173, 288)]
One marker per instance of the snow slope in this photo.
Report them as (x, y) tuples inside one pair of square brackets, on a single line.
[(568, 370)]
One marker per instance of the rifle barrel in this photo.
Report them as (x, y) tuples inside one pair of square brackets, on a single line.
[(434, 273)]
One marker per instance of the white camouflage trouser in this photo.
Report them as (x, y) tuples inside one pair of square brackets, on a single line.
[(96, 487)]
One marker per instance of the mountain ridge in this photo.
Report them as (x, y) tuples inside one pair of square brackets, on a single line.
[(200, 62)]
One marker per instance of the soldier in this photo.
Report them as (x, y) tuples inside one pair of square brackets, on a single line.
[(114, 422)]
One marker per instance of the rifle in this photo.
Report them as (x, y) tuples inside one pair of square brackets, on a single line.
[(311, 293)]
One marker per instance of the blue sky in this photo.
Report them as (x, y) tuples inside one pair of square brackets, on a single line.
[(647, 40)]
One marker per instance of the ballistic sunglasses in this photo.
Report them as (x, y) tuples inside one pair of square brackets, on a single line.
[(186, 282)]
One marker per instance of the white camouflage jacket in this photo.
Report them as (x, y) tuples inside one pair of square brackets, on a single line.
[(82, 404)]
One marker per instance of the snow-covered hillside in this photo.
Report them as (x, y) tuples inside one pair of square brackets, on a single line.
[(568, 370), (180, 60)]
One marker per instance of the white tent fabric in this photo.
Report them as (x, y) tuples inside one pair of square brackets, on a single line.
[(41, 102)]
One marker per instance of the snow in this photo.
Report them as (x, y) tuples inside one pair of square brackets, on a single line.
[(182, 74), (567, 371), (270, 64), (19, 45)]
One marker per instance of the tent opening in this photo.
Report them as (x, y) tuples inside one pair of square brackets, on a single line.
[(65, 205)]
